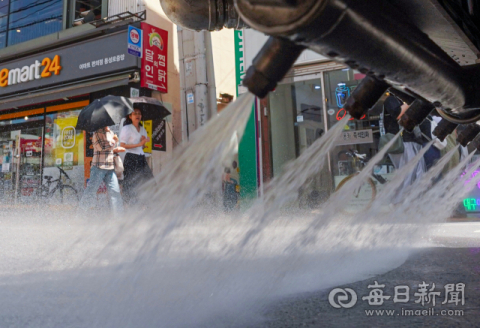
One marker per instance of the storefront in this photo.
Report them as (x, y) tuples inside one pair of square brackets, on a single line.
[(41, 97), (308, 103)]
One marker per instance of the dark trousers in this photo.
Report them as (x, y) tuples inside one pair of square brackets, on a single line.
[(136, 172), (431, 156), (230, 195)]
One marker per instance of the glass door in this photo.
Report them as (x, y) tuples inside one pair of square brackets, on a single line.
[(297, 120), (7, 185), (29, 163), (21, 144)]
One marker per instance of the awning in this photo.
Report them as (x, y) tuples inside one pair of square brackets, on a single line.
[(63, 91)]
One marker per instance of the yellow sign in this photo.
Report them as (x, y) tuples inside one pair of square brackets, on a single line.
[(68, 143), (148, 127), (30, 73), (68, 137)]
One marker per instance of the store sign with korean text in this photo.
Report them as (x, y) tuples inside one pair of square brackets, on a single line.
[(35, 71), (159, 140), (155, 58), (79, 61), (355, 137), (156, 133), (135, 41)]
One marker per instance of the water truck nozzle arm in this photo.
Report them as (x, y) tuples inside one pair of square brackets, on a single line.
[(373, 37)]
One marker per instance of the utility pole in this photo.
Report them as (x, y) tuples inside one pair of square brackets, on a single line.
[(197, 80)]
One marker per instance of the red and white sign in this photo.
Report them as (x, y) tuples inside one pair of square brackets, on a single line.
[(31, 144), (134, 36), (154, 60)]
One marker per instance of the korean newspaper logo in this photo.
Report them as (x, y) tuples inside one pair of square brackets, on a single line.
[(426, 295)]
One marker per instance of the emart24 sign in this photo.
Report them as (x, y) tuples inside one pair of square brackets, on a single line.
[(88, 59), (35, 71)]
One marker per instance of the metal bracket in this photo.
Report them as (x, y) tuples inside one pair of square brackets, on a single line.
[(140, 16)]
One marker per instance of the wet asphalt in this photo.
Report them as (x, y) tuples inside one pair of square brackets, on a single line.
[(439, 265), (454, 259)]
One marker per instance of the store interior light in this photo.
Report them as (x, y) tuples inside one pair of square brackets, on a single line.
[(317, 87), (26, 118), (18, 31)]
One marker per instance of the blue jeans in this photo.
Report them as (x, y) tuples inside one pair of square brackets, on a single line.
[(98, 175), (431, 156)]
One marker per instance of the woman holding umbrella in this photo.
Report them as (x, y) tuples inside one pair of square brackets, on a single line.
[(136, 171), (96, 118), (133, 138), (103, 169)]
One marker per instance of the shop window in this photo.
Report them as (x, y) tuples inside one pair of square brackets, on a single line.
[(86, 11), (362, 135), (339, 84), (64, 144), (297, 119), (27, 19), (21, 141), (282, 127)]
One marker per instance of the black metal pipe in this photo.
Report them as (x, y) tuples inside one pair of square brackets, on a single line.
[(443, 129), (271, 65), (372, 37), (364, 97), (468, 133), (415, 114), (200, 15)]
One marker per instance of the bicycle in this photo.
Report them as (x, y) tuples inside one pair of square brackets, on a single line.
[(64, 190), (360, 161)]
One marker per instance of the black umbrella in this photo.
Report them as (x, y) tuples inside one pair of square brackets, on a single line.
[(103, 112), (152, 109)]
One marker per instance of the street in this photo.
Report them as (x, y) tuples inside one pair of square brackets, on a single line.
[(65, 272), (430, 265)]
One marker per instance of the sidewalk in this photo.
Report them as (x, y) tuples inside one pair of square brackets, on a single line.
[(26, 207)]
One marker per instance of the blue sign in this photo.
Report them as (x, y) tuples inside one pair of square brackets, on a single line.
[(135, 41), (190, 99), (342, 93)]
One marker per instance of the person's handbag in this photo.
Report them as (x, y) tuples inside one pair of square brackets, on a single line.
[(396, 148), (118, 166)]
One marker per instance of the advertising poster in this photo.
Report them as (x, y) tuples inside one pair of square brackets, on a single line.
[(155, 58), (148, 127), (67, 141), (159, 140)]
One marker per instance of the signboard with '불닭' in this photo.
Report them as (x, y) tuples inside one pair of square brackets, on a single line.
[(155, 58), (355, 137)]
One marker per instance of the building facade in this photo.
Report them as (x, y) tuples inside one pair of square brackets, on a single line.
[(56, 58)]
